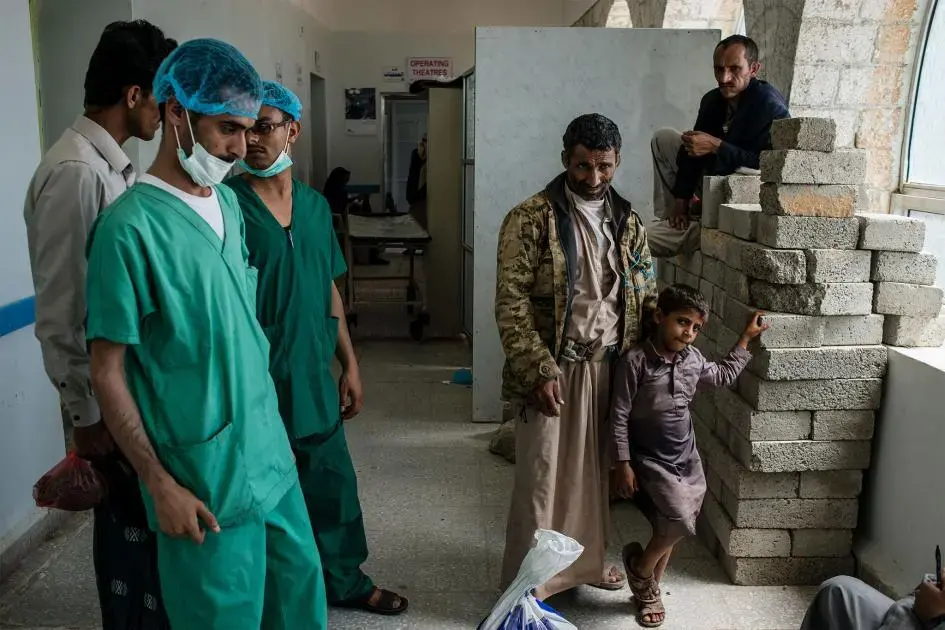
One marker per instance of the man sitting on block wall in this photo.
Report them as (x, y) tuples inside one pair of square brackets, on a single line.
[(732, 129)]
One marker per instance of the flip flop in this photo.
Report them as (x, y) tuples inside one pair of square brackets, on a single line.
[(384, 606), (612, 586)]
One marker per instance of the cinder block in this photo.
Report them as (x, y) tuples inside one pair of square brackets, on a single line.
[(846, 166), (704, 403), (810, 200), (712, 191), (786, 331), (835, 298), (741, 189), (686, 278), (662, 285), (714, 243), (914, 332), (745, 543), (826, 395), (761, 425), (785, 571), (713, 481), (708, 291), (811, 364), (738, 480), (843, 425), (802, 455), (833, 484), (838, 265), (793, 513), (889, 232), (739, 220), (909, 300), (821, 543), (737, 285), (719, 299), (904, 267), (713, 270), (805, 134), (726, 339), (691, 263), (853, 330), (778, 266), (784, 232)]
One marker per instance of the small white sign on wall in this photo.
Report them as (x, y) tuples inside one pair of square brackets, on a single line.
[(393, 74), (429, 69)]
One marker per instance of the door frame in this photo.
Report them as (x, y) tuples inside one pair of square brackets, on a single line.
[(387, 97)]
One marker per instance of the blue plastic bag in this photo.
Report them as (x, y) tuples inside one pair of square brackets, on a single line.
[(518, 609)]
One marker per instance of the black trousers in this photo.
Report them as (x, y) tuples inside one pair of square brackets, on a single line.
[(124, 553)]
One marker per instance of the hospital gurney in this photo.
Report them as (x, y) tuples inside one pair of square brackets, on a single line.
[(386, 230)]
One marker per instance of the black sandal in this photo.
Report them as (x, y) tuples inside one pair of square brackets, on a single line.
[(385, 604)]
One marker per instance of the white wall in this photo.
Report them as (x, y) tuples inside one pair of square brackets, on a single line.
[(903, 511), (29, 414), (530, 83), (448, 16), (276, 34)]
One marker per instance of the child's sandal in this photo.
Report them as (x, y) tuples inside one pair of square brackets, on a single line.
[(646, 591)]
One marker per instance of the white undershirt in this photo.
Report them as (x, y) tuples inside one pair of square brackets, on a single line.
[(595, 213), (207, 207)]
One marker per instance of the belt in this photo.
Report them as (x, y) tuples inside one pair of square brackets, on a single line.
[(577, 352)]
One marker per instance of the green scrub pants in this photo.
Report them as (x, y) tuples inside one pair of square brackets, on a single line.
[(264, 574), (330, 487)]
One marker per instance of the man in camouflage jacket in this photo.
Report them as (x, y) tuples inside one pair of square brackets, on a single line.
[(573, 272)]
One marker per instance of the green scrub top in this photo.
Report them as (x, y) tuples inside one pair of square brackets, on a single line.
[(162, 282), (297, 267)]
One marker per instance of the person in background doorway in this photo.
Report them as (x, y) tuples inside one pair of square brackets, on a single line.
[(573, 271), (290, 240), (846, 603), (417, 183), (81, 174), (181, 366), (732, 129), (336, 192)]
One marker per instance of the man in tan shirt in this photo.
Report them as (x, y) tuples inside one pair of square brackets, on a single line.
[(82, 173)]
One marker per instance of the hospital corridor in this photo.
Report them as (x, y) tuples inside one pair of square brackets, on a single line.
[(472, 315)]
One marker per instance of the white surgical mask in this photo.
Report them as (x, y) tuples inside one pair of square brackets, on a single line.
[(280, 164), (205, 169)]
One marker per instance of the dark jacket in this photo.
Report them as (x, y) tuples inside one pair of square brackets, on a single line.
[(749, 134)]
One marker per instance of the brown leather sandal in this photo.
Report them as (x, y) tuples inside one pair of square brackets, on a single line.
[(646, 591), (606, 585), (385, 603)]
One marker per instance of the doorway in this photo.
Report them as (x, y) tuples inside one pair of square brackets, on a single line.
[(319, 131), (405, 123)]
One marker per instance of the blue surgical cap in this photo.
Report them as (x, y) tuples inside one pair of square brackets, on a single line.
[(209, 77), (278, 96)]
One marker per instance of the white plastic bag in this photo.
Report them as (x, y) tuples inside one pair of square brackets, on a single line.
[(518, 609)]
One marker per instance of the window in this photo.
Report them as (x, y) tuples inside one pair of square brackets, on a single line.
[(924, 160)]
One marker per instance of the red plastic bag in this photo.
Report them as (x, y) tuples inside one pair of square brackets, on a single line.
[(71, 485)]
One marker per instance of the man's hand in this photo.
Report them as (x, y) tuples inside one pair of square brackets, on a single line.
[(92, 441), (930, 600), (179, 513), (626, 481), (548, 399), (679, 219), (698, 143), (351, 394)]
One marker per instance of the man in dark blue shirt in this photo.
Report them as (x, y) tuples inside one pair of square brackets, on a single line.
[(732, 129)]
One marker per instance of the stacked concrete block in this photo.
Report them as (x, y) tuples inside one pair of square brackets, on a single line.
[(785, 449)]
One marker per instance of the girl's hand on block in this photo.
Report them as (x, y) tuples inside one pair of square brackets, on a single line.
[(755, 326)]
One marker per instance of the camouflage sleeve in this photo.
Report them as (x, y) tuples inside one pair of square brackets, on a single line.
[(528, 356), (642, 261)]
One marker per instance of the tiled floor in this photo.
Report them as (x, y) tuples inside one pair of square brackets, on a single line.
[(435, 503)]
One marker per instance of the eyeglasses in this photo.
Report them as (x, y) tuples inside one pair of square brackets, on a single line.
[(265, 127)]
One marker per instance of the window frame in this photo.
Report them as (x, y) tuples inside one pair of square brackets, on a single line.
[(912, 195)]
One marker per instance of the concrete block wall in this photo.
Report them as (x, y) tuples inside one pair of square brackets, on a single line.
[(785, 449)]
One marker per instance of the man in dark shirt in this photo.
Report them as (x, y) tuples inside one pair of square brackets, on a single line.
[(732, 129)]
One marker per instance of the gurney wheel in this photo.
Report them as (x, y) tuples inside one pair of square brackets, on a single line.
[(352, 320)]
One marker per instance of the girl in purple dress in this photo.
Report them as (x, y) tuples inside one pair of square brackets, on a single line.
[(657, 459)]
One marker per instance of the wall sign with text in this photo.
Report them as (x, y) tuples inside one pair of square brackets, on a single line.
[(429, 69)]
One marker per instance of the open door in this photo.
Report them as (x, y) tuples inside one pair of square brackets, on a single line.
[(405, 123)]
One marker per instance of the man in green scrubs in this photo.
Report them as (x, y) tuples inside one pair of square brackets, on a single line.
[(180, 366), (291, 241)]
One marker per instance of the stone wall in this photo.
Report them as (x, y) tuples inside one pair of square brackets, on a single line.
[(786, 448)]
